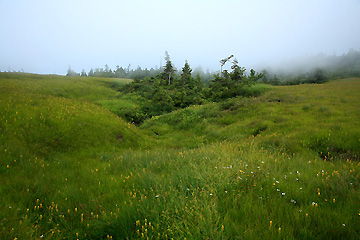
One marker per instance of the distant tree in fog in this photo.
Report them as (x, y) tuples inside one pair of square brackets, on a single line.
[(91, 73), (83, 73), (317, 76), (71, 72)]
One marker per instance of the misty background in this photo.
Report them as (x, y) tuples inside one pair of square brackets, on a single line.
[(48, 37)]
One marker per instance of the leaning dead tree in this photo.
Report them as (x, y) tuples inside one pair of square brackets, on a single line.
[(223, 61)]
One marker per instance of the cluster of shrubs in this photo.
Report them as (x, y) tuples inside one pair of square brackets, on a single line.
[(155, 92), (168, 91)]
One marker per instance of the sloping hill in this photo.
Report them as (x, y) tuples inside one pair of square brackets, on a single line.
[(322, 118), (48, 114), (283, 165)]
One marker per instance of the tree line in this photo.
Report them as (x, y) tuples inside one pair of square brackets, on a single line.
[(317, 69), (138, 73), (119, 72)]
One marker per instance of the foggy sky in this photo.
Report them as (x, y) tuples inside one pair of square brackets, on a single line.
[(43, 36)]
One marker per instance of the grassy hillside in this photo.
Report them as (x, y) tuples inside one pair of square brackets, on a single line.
[(320, 118), (284, 165)]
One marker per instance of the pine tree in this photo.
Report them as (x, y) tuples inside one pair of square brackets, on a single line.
[(91, 73), (186, 75), (169, 70), (83, 73), (237, 73)]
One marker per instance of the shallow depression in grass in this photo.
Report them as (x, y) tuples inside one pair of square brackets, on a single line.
[(247, 168)]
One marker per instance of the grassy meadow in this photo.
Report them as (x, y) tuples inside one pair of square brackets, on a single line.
[(283, 165)]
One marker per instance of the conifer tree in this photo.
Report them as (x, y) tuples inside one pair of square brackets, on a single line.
[(168, 73), (237, 73), (186, 75), (83, 73), (91, 73)]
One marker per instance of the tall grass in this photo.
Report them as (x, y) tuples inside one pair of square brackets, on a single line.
[(250, 168)]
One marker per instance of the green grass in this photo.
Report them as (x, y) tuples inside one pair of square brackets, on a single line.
[(283, 165)]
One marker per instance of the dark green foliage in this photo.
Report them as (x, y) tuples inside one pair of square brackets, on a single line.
[(161, 102), (235, 83), (166, 91), (121, 72), (318, 76), (188, 88)]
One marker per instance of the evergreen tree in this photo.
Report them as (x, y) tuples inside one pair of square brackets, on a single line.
[(255, 76), (265, 74), (237, 73), (182, 86), (169, 70), (107, 69), (186, 75), (91, 73), (197, 82), (83, 73), (161, 102), (318, 76), (120, 72)]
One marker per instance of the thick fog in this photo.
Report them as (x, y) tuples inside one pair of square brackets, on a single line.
[(43, 36)]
